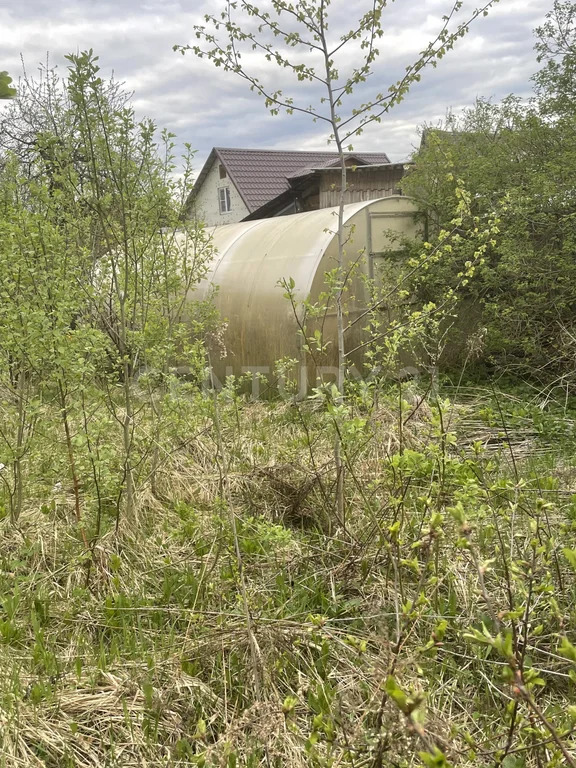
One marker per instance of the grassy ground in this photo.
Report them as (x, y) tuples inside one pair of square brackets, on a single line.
[(235, 620)]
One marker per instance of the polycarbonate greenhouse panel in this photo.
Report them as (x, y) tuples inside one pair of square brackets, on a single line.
[(251, 260)]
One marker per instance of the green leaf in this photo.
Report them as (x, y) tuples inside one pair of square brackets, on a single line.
[(6, 91), (567, 650), (434, 759), (397, 694), (570, 555)]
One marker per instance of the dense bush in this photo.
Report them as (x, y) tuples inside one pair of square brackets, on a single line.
[(517, 161)]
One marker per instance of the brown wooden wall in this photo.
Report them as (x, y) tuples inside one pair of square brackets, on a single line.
[(365, 184)]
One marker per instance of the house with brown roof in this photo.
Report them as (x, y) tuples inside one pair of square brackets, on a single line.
[(244, 184)]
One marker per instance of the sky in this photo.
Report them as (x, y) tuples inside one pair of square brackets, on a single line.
[(208, 107)]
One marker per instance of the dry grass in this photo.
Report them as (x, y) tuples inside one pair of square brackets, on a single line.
[(137, 652)]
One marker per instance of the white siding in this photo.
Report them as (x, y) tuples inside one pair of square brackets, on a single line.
[(207, 207)]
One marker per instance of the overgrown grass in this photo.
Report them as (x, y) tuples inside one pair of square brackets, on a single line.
[(433, 625)]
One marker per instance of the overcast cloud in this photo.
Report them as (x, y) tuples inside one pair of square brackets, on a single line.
[(208, 107)]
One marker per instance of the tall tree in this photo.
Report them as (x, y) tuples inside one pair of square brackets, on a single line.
[(556, 48), (304, 40), (89, 259), (519, 159)]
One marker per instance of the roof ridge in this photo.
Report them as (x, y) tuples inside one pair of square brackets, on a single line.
[(298, 151)]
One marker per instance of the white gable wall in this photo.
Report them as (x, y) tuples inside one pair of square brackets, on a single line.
[(206, 205)]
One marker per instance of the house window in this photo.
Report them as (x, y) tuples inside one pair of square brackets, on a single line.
[(224, 199), (222, 172)]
